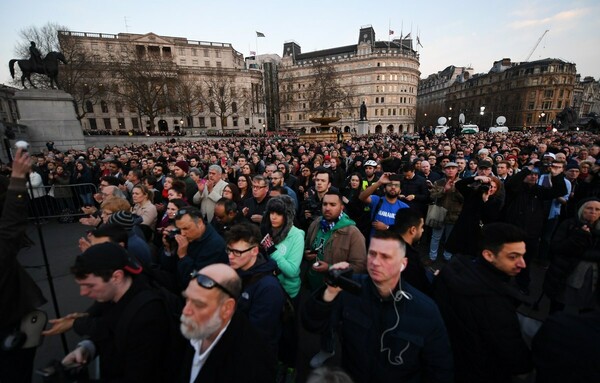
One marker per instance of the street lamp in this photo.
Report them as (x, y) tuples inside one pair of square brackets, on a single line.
[(542, 115)]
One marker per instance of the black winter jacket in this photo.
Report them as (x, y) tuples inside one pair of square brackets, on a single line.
[(373, 333), (525, 203), (19, 294), (479, 308), (570, 245)]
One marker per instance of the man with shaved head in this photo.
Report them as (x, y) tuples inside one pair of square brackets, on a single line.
[(224, 346)]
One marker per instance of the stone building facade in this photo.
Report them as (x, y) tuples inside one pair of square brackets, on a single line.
[(587, 96), (528, 94), (432, 92), (383, 74), (192, 61)]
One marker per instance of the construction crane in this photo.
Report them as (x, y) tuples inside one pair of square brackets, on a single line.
[(536, 44)]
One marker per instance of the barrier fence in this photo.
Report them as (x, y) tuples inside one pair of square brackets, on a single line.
[(60, 201)]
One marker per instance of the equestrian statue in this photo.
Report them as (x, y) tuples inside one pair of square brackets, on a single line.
[(47, 66)]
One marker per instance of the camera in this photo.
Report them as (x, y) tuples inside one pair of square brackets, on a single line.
[(479, 186), (171, 234), (342, 278)]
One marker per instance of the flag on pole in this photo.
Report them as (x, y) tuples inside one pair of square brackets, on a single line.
[(407, 36), (419, 41), (252, 53), (260, 34), (391, 32)]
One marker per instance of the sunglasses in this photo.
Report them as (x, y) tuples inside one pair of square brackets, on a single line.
[(209, 283), (192, 212)]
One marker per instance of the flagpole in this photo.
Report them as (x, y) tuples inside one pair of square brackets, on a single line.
[(389, 32), (401, 36)]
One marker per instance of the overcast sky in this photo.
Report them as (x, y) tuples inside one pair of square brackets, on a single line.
[(473, 33)]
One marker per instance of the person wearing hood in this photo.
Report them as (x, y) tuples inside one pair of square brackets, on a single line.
[(287, 241), (479, 308), (262, 296), (573, 274)]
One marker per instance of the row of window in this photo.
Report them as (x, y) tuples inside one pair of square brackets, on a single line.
[(392, 112), (89, 107), (194, 52), (183, 61), (107, 123)]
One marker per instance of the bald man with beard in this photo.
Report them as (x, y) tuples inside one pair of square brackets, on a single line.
[(223, 345)]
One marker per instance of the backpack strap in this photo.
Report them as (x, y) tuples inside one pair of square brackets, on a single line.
[(377, 208)]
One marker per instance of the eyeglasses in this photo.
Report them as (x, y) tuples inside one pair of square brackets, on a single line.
[(258, 186), (209, 283), (238, 253)]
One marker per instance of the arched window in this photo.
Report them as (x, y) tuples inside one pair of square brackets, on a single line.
[(89, 107), (378, 129)]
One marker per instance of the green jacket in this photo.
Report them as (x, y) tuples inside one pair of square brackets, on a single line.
[(288, 255)]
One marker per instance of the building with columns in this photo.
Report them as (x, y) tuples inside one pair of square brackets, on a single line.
[(383, 74), (241, 109)]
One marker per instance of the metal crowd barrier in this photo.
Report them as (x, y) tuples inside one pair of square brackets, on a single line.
[(60, 201)]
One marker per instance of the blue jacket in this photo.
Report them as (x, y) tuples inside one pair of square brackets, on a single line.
[(262, 299), (383, 343), (206, 250)]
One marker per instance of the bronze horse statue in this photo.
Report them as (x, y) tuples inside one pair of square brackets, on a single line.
[(49, 68)]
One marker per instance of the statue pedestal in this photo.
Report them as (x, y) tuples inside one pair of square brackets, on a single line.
[(49, 115), (362, 128)]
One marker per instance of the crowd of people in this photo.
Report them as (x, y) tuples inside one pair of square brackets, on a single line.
[(410, 255)]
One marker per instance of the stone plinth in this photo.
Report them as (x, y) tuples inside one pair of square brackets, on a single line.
[(49, 115), (362, 128)]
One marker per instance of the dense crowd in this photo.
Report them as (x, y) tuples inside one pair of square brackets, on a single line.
[(414, 253)]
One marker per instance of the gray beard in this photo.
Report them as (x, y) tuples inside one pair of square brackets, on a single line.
[(192, 330)]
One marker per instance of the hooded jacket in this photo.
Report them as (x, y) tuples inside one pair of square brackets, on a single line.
[(479, 309), (262, 299), (345, 244), (289, 243)]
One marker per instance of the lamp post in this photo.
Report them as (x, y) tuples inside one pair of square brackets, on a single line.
[(481, 113), (541, 120)]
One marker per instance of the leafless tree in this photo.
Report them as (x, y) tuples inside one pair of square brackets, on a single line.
[(286, 92), (145, 81), (186, 98), (220, 95), (325, 93)]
